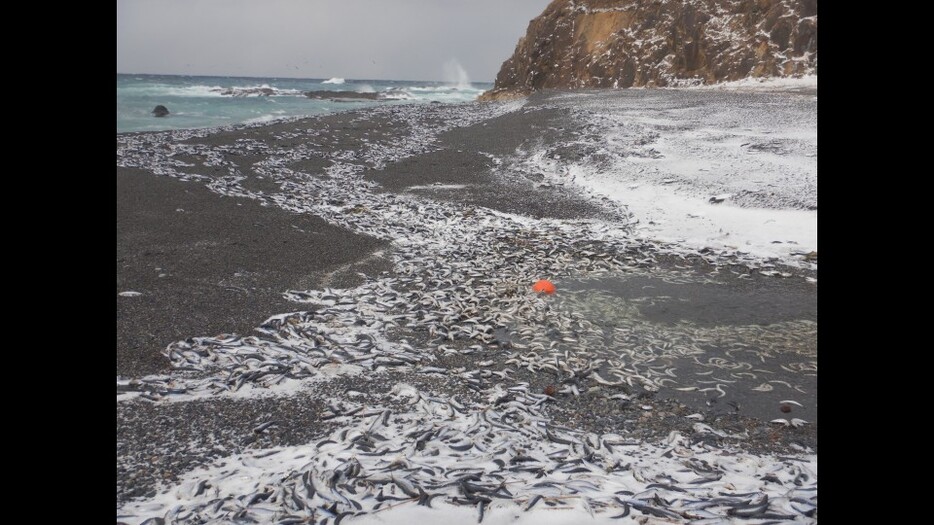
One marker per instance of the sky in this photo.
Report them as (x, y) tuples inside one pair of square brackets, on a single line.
[(353, 39)]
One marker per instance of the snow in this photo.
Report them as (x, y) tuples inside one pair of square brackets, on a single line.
[(695, 223), (769, 83), (733, 169), (667, 216)]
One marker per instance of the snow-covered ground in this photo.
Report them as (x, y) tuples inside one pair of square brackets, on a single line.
[(767, 84), (729, 168)]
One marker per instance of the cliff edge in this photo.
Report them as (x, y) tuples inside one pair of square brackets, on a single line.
[(656, 43)]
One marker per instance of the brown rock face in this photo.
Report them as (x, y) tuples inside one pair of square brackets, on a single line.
[(626, 43)]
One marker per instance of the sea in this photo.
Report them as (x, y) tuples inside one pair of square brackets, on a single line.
[(206, 101)]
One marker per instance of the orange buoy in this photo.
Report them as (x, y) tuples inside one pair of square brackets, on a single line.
[(545, 286)]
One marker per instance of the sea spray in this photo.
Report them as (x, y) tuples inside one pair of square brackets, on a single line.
[(455, 74)]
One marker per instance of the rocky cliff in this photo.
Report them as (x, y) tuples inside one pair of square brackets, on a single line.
[(626, 43)]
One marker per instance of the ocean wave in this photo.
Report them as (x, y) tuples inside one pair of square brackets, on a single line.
[(167, 90), (443, 93), (334, 80), (444, 89), (264, 90), (396, 94), (212, 101), (265, 118), (203, 90)]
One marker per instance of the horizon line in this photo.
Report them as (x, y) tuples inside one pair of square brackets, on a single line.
[(302, 78)]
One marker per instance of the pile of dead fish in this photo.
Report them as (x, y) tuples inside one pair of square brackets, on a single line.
[(440, 452), (460, 286), (460, 276)]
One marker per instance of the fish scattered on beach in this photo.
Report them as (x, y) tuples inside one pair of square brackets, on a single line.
[(461, 289), (505, 451)]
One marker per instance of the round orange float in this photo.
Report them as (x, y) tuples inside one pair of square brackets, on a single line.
[(544, 286)]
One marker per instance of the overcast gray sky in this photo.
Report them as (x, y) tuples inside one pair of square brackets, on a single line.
[(363, 39)]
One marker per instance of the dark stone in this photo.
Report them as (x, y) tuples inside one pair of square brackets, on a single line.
[(246, 92), (781, 33), (160, 111)]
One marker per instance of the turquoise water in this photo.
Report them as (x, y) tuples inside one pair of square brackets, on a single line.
[(198, 101)]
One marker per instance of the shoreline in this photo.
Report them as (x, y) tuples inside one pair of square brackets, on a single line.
[(408, 182)]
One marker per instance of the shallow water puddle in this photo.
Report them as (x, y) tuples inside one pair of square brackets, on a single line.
[(707, 302), (713, 342)]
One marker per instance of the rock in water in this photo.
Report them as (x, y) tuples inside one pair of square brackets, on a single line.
[(626, 43), (160, 111)]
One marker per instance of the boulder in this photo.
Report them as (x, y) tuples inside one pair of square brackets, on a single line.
[(160, 111)]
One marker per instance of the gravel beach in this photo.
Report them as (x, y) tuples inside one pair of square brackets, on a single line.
[(402, 241), (207, 264)]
